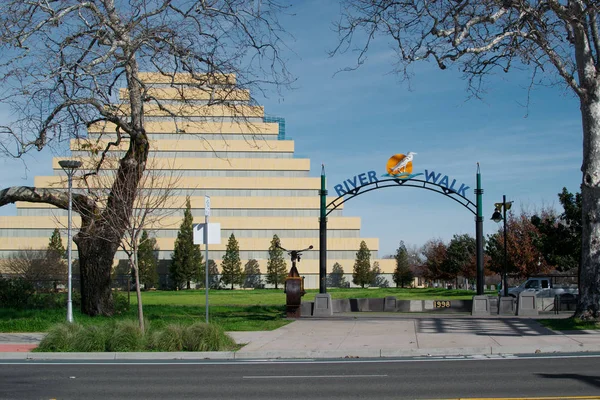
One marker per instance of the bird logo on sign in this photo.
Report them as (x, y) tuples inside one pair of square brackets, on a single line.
[(400, 166)]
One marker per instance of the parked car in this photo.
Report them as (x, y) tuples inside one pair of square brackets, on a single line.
[(544, 286)]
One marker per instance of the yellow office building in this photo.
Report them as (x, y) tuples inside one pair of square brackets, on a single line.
[(231, 152)]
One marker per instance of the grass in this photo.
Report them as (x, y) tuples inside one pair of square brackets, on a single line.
[(236, 318), (125, 336), (270, 297), (569, 324), (232, 310)]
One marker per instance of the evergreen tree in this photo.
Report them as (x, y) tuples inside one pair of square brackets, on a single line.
[(402, 274), (231, 266), (147, 257), (276, 266), (377, 280), (252, 274), (213, 275), (336, 277), (361, 275), (186, 258), (55, 263)]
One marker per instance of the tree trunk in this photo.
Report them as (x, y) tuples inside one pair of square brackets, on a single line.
[(95, 264), (138, 290), (589, 269)]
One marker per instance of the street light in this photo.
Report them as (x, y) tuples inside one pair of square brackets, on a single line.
[(499, 211), (69, 166)]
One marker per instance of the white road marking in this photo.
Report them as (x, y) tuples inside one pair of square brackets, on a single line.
[(310, 376)]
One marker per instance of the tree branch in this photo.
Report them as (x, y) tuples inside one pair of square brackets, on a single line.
[(58, 198)]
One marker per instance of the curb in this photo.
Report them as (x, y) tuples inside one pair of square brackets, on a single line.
[(299, 354)]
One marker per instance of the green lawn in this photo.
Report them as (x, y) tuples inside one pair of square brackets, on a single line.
[(234, 310), (277, 297), (230, 318)]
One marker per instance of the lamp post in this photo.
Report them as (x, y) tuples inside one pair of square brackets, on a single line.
[(497, 217), (69, 166)]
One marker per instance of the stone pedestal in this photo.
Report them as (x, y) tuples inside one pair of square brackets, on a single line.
[(506, 306), (527, 304), (322, 306), (481, 306)]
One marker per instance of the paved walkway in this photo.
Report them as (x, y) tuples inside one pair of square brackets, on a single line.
[(368, 335), (19, 342), (408, 335)]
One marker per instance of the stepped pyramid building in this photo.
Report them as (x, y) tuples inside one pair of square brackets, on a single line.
[(230, 151)]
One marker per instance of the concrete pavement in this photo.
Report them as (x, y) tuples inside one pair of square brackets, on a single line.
[(367, 335), (19, 342), (380, 335)]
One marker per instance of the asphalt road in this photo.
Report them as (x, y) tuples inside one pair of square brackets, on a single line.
[(347, 379)]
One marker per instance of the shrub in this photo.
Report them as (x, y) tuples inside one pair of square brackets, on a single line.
[(91, 339), (48, 301), (60, 338), (125, 336), (207, 337), (15, 293), (76, 298), (170, 338), (121, 302)]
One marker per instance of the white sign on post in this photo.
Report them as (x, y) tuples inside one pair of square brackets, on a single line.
[(214, 233), (207, 207)]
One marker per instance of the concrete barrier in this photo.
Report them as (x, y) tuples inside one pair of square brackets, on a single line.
[(527, 304), (363, 305), (376, 304), (403, 305), (353, 305), (545, 304), (428, 305), (306, 309), (415, 305), (481, 305), (459, 306), (493, 304), (389, 304), (506, 306), (341, 305)]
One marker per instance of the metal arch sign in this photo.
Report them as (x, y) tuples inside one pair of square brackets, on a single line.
[(399, 172)]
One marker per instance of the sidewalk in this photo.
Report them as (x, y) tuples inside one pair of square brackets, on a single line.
[(367, 335), (19, 342)]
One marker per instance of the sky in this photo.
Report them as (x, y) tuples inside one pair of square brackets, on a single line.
[(353, 122)]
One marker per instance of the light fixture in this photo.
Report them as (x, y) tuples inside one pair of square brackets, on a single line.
[(69, 166), (498, 216)]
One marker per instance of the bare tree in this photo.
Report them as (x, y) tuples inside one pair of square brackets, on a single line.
[(28, 264), (63, 62), (485, 35), (150, 210)]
